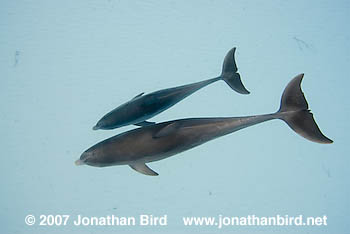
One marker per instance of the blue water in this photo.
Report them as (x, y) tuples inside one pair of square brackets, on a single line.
[(64, 64)]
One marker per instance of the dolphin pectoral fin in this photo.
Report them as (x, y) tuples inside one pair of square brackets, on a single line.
[(167, 130), (144, 123), (139, 95), (143, 169)]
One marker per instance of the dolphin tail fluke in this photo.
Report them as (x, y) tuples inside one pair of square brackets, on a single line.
[(294, 111), (230, 73)]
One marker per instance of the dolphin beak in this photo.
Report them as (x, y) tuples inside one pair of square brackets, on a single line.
[(95, 127), (79, 162)]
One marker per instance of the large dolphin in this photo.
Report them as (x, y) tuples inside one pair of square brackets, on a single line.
[(143, 107), (155, 142)]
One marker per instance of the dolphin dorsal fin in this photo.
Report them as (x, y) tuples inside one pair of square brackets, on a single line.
[(143, 169), (144, 123), (139, 95), (167, 130)]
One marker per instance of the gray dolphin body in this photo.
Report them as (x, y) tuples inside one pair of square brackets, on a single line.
[(143, 107), (155, 142)]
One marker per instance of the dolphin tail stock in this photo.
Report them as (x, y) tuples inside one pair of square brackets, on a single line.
[(294, 111), (230, 73)]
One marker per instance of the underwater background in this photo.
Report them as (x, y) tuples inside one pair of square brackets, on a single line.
[(64, 64)]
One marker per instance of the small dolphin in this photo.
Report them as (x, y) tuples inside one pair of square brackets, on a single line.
[(143, 107), (155, 142)]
